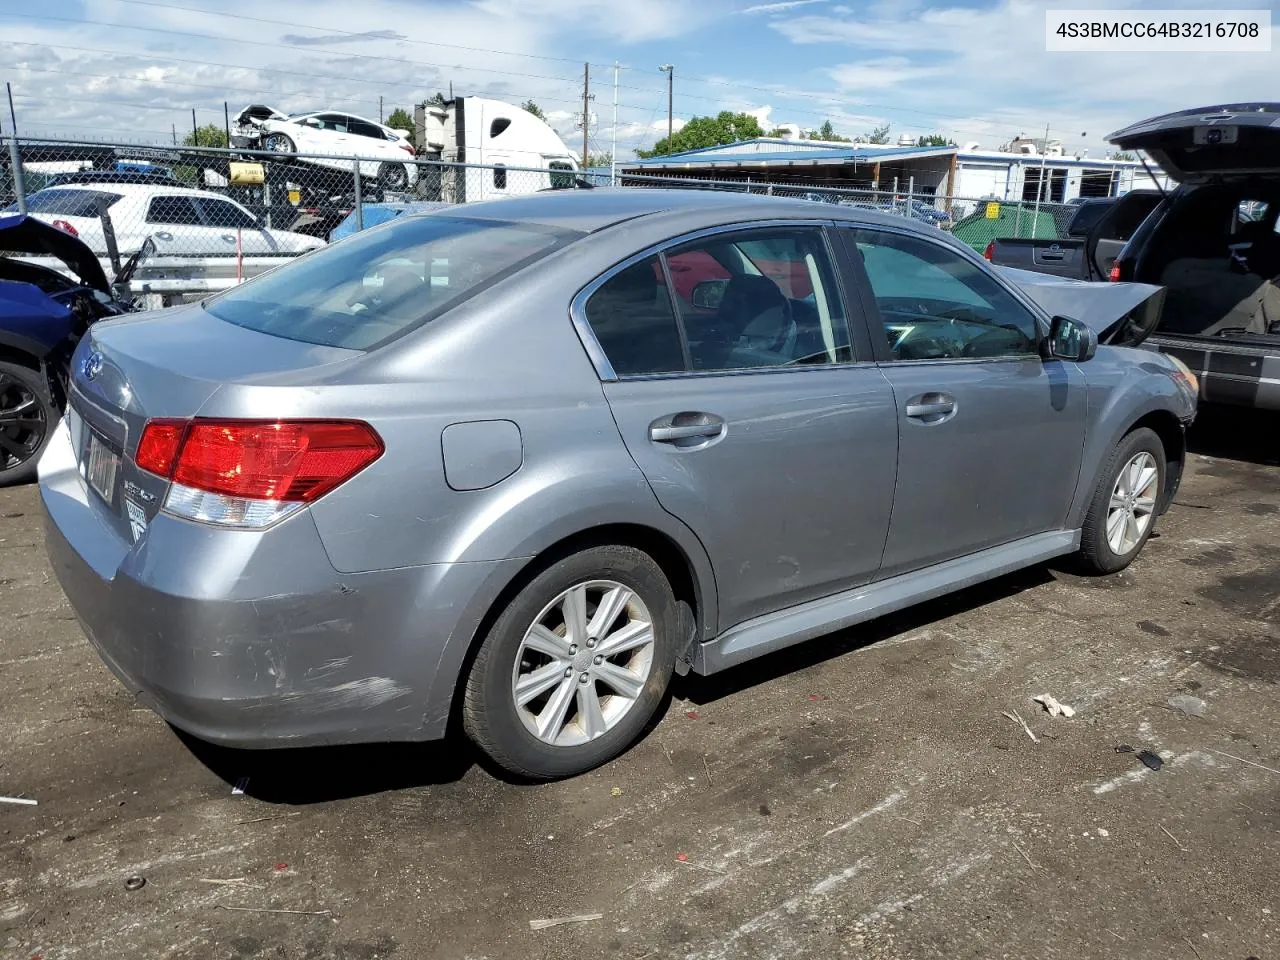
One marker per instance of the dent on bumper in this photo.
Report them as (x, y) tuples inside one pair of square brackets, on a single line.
[(252, 638)]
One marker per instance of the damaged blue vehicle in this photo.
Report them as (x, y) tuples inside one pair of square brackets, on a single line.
[(51, 288)]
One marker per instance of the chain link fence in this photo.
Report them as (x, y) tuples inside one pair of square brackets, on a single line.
[(173, 223)]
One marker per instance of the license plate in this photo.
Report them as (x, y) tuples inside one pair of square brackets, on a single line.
[(101, 467)]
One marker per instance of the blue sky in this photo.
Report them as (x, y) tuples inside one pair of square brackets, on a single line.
[(974, 70)]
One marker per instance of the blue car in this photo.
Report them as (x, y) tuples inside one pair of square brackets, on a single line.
[(51, 288), (376, 213)]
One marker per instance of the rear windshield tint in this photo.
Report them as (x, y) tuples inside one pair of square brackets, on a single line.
[(67, 203), (377, 285)]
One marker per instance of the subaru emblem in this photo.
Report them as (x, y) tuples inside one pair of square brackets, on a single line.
[(92, 366)]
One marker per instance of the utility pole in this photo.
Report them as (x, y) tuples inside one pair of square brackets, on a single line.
[(1044, 157), (586, 96), (195, 131), (613, 136), (380, 120), (670, 70)]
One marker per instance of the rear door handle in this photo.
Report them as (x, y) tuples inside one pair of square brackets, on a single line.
[(931, 407), (686, 426)]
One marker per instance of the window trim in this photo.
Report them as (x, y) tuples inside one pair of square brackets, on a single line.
[(604, 369), (871, 309)]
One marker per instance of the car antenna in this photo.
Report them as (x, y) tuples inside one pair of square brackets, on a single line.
[(1143, 161)]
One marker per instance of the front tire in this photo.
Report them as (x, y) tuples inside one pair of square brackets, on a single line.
[(575, 666), (27, 417), (1124, 506), (393, 176), (279, 143)]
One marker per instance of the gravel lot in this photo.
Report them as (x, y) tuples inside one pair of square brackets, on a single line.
[(862, 796)]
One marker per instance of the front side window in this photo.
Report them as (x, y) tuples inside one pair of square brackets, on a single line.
[(760, 298), (937, 305), (382, 282), (362, 128), (68, 203), (179, 211)]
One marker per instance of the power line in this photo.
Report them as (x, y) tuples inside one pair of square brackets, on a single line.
[(362, 35), (276, 45)]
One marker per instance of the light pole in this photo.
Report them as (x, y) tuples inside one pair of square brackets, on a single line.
[(670, 70)]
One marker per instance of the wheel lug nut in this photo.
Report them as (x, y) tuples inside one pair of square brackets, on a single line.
[(573, 648), (584, 678), (568, 671), (591, 641), (598, 660)]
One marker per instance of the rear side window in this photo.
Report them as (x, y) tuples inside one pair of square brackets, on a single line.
[(632, 318), (381, 283), (180, 211), (220, 213), (67, 203)]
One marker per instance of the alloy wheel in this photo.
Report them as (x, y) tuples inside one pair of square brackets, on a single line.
[(22, 422), (583, 663), (1133, 503)]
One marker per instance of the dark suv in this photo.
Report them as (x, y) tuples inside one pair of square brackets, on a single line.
[(1212, 241)]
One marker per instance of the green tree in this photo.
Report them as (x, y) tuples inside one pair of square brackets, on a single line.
[(1122, 155), (437, 97), (879, 135), (401, 120), (536, 110), (699, 132), (603, 159), (210, 135), (777, 132), (827, 132), (935, 140)]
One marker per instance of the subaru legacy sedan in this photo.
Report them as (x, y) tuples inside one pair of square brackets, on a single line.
[(511, 466)]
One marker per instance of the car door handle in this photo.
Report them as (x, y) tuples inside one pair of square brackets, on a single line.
[(931, 407), (686, 426)]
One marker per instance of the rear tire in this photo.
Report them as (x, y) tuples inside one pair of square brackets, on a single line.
[(1123, 511), (28, 415), (393, 176), (546, 699)]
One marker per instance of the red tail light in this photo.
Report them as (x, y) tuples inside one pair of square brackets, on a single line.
[(407, 149), (294, 461), (1116, 273), (66, 227), (989, 253)]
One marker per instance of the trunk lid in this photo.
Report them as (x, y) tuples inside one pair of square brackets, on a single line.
[(165, 363), (1121, 314), (1207, 143)]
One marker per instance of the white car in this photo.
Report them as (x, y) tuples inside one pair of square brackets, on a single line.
[(333, 136), (194, 223)]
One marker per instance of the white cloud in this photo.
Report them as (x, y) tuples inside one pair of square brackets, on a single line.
[(780, 7), (879, 73)]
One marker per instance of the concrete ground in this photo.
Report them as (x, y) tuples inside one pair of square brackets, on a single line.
[(863, 796)]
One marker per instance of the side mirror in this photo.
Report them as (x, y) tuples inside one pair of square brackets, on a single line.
[(1070, 339), (708, 294)]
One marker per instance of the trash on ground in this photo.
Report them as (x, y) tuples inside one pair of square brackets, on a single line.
[(280, 867), (241, 786), (135, 883), (24, 801), (229, 882), (691, 714), (1124, 748), (615, 792), (1017, 718), (1152, 760), (1054, 707), (296, 913), (1187, 705), (556, 921), (1104, 832), (682, 857), (815, 697)]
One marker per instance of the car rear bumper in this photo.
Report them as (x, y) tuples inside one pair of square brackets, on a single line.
[(1231, 373), (252, 639)]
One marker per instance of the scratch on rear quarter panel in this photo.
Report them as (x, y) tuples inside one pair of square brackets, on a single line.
[(360, 694)]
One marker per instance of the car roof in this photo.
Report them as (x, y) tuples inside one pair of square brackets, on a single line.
[(138, 189), (589, 210)]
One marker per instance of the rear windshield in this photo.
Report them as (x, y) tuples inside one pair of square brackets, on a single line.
[(67, 203), (378, 284)]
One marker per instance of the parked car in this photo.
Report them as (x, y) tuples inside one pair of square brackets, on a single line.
[(197, 223), (43, 314), (485, 463), (338, 136), (1094, 237), (1212, 241), (373, 214)]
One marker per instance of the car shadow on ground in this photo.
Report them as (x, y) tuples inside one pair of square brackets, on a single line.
[(310, 775), (703, 690), (1236, 433)]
